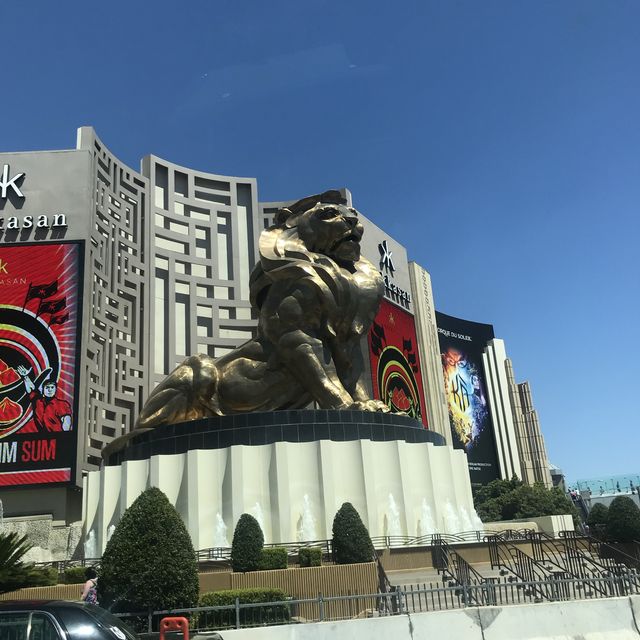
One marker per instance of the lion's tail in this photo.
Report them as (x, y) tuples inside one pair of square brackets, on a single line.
[(185, 394)]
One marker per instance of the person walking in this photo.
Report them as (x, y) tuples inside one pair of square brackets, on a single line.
[(90, 589)]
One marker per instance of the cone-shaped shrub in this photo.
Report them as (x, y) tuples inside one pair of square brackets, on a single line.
[(351, 541), (597, 517), (149, 563), (623, 520), (246, 548)]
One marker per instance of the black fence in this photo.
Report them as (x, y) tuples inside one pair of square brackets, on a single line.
[(398, 600)]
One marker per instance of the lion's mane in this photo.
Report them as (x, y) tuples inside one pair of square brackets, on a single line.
[(285, 257)]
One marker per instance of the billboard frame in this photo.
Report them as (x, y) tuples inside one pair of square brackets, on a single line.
[(74, 466)]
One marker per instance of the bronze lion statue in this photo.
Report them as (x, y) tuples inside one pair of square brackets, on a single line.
[(316, 297)]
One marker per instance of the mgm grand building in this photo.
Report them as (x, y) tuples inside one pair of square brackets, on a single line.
[(110, 277)]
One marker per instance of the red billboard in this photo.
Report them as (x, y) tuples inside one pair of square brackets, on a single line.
[(40, 291), (395, 364)]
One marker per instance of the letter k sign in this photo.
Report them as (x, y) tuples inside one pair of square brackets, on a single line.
[(7, 182)]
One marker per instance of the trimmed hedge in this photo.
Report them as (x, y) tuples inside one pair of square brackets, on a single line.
[(49, 576), (149, 562), (351, 541), (250, 616), (597, 517), (74, 575), (310, 556), (623, 520), (246, 548), (274, 558)]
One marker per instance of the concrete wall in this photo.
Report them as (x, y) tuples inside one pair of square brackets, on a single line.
[(607, 619), (547, 524), (407, 558), (50, 540), (509, 525), (494, 359), (298, 582), (293, 489), (553, 525), (429, 348), (54, 592)]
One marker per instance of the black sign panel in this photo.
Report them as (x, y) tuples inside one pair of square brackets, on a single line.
[(461, 346)]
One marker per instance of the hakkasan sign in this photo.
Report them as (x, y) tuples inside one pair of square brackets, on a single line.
[(11, 187), (10, 184), (40, 306)]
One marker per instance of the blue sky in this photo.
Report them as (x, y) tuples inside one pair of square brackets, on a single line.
[(498, 141)]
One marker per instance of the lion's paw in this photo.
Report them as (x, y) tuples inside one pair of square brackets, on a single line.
[(370, 405)]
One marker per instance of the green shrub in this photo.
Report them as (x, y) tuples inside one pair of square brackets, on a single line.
[(274, 558), (149, 562), (250, 616), (50, 576), (16, 574), (310, 556), (623, 520), (45, 576), (597, 517), (351, 541), (246, 548), (512, 499), (74, 575)]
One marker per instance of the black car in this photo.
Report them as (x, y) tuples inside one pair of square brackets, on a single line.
[(59, 620)]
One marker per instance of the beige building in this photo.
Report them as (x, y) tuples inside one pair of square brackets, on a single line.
[(534, 462), (166, 256)]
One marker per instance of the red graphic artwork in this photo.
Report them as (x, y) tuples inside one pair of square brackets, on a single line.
[(40, 288), (395, 363)]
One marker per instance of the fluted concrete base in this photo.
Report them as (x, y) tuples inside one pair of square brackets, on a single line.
[(294, 489)]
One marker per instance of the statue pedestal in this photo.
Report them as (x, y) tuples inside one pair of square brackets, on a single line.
[(292, 470)]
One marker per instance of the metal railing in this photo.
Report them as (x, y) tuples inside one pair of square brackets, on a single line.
[(565, 555), (388, 542), (380, 542), (223, 554), (401, 600), (457, 571), (607, 550), (570, 549), (62, 565), (509, 559), (451, 564)]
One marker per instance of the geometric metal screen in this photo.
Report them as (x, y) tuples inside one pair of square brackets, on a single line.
[(202, 250), (114, 361)]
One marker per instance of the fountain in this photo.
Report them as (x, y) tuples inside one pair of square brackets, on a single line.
[(477, 524), (90, 550), (307, 524), (451, 519), (394, 528), (465, 521), (257, 513), (427, 525), (110, 531), (220, 537)]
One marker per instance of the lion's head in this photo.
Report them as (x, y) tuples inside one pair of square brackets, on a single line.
[(325, 224), (319, 230)]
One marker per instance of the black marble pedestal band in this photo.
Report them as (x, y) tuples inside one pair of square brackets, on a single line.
[(266, 428)]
